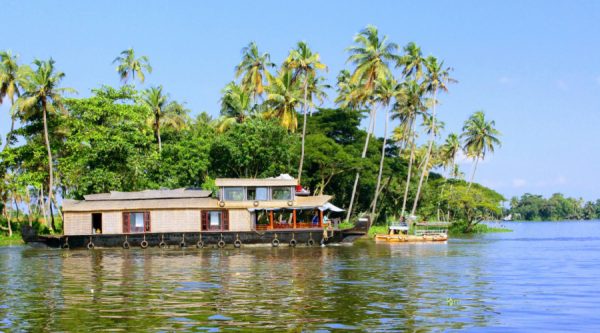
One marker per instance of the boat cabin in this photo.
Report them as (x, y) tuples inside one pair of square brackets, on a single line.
[(239, 205)]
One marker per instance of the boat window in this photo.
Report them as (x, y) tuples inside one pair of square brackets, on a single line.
[(258, 193), (282, 193), (233, 193), (136, 222), (96, 223), (215, 220)]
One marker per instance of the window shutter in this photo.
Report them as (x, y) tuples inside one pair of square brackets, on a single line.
[(147, 221), (126, 223), (225, 218), (204, 219)]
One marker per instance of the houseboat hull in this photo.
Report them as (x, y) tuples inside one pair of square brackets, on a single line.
[(224, 239)]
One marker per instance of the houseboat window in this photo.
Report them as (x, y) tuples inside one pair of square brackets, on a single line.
[(233, 193), (96, 223), (258, 193), (136, 222), (282, 193), (215, 219)]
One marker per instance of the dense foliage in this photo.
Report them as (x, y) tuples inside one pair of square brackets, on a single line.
[(129, 138), (530, 207)]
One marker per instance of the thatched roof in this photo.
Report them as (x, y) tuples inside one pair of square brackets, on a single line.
[(220, 182), (149, 194), (98, 205)]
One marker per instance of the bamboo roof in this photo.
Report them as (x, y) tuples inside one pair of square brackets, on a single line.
[(98, 205), (149, 194), (231, 182)]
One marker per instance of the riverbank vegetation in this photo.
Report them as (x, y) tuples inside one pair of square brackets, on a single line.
[(530, 207), (274, 118)]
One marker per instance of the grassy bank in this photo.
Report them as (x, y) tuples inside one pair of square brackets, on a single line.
[(14, 240)]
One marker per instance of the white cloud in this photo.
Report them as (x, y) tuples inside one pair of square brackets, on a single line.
[(518, 182)]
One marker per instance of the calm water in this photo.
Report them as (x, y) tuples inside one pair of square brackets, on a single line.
[(541, 277)]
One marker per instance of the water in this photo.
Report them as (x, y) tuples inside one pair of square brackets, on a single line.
[(541, 277)]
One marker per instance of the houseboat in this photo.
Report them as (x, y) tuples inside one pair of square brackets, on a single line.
[(272, 211)]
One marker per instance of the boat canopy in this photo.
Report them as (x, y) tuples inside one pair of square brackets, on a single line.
[(326, 206)]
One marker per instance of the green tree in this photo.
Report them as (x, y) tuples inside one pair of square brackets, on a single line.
[(436, 78), (472, 205), (10, 76), (236, 106), (371, 56), (164, 112), (42, 93), (283, 96), (130, 66), (304, 65), (254, 69), (480, 137)]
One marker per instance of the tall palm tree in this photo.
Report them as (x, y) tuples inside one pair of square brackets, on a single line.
[(254, 69), (155, 100), (236, 106), (387, 91), (371, 55), (130, 66), (480, 137), (10, 76), (411, 61), (436, 78), (407, 110), (283, 96), (304, 65), (450, 150), (42, 92)]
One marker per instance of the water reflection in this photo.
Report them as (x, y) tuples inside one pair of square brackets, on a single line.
[(365, 286)]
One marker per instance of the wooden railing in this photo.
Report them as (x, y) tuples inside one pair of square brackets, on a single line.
[(286, 226)]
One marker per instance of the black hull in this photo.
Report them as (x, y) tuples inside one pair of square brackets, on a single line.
[(199, 239)]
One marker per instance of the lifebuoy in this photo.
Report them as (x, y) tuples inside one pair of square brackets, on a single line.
[(275, 242), (65, 246), (182, 244), (90, 245), (200, 244), (221, 203), (144, 244), (310, 242), (255, 203), (290, 203), (162, 245), (293, 243), (221, 243), (237, 244), (126, 245)]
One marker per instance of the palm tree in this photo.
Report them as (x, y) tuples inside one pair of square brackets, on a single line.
[(10, 76), (436, 78), (387, 90), (371, 56), (283, 95), (407, 110), (411, 61), (480, 137), (42, 92), (450, 150), (236, 106), (253, 69), (155, 100), (304, 65), (129, 66)]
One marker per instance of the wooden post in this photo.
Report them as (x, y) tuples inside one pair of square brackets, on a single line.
[(271, 219), (294, 218), (320, 219)]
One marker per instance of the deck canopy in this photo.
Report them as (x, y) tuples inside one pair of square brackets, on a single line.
[(149, 194), (234, 182)]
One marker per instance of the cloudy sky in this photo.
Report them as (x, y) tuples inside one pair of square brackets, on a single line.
[(533, 66)]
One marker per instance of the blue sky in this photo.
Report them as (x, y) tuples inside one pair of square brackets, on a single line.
[(533, 66)]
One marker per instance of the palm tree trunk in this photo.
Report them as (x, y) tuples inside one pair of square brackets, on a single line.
[(363, 155), (473, 174), (158, 134), (303, 130), (410, 163), (381, 161), (12, 124), (427, 156), (50, 171), (42, 204)]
